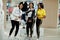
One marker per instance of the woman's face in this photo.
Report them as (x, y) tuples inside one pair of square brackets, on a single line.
[(39, 6), (21, 6), (31, 5)]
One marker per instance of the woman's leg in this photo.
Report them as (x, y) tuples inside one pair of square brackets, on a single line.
[(38, 23), (17, 27), (27, 29), (13, 26), (31, 29)]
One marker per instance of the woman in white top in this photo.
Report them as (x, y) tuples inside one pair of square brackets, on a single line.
[(15, 18)]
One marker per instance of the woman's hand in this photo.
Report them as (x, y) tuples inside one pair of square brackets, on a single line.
[(29, 21), (17, 17), (44, 16)]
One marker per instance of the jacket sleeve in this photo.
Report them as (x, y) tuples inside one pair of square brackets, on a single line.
[(27, 12), (15, 11), (33, 14)]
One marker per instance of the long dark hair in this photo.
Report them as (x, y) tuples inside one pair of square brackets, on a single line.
[(32, 4), (41, 5), (25, 6), (20, 4)]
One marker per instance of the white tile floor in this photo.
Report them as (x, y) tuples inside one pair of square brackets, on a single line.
[(45, 34)]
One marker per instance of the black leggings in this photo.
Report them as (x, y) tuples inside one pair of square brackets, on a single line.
[(29, 26), (14, 23), (38, 23)]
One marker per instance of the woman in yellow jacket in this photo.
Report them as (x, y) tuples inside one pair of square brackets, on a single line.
[(41, 14)]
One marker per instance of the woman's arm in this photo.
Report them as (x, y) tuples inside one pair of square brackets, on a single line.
[(44, 14)]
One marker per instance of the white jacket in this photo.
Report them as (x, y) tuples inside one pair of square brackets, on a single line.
[(16, 13)]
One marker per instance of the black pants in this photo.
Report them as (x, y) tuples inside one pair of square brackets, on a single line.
[(38, 23), (14, 23), (29, 26)]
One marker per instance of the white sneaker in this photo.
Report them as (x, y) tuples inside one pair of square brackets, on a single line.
[(37, 39)]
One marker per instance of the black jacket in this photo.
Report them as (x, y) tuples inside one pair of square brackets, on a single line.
[(32, 15)]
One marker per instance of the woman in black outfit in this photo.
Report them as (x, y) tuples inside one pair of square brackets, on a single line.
[(30, 19)]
